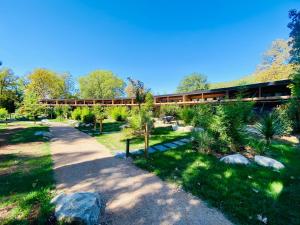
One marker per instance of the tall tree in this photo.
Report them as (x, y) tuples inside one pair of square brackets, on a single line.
[(139, 91), (193, 82), (101, 84), (47, 84)]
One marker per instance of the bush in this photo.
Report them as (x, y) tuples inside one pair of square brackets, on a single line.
[(3, 114), (76, 114), (170, 110), (203, 141), (62, 111), (119, 113), (87, 116), (228, 124), (187, 114), (293, 110), (203, 116), (284, 120), (269, 126)]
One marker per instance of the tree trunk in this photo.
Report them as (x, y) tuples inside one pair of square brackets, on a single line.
[(95, 126), (146, 135)]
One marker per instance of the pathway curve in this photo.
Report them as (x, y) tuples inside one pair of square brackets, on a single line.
[(132, 196)]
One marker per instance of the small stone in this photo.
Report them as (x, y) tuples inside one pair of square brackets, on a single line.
[(262, 218)]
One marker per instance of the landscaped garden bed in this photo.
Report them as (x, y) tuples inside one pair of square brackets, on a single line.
[(247, 194)]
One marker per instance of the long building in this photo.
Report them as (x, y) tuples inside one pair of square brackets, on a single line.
[(267, 92)]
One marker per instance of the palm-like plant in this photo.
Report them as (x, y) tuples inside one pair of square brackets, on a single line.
[(269, 126)]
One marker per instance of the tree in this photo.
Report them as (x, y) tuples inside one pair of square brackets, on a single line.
[(193, 82), (139, 91), (101, 84), (46, 84), (294, 25), (10, 93), (100, 115), (3, 114), (278, 54), (31, 107), (141, 121)]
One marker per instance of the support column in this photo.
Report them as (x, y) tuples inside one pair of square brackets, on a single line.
[(259, 92)]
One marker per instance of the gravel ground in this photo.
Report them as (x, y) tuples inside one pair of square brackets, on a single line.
[(132, 196)]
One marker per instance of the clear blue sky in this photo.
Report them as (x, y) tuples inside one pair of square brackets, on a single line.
[(156, 41)]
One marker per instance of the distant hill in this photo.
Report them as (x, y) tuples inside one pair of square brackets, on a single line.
[(271, 74)]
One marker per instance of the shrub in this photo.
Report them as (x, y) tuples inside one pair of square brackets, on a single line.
[(118, 113), (203, 141), (169, 110), (284, 120), (187, 114), (203, 116), (3, 114), (269, 126), (87, 116), (76, 114), (229, 123), (293, 111), (58, 111)]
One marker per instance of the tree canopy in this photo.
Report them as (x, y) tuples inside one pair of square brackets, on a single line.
[(101, 84), (47, 84), (193, 82)]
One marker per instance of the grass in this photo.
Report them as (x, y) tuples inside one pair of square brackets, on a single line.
[(26, 179), (241, 192), (114, 139)]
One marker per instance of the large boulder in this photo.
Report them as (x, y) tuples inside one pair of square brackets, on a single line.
[(235, 159), (80, 207), (268, 162)]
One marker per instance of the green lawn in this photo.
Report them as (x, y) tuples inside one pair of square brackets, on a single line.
[(26, 178), (115, 141), (241, 192)]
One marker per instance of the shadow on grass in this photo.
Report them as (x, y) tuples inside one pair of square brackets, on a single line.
[(26, 181), (242, 192)]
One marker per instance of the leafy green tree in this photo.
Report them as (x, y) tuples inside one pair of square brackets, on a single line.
[(294, 25), (30, 106), (76, 114), (3, 114), (149, 102), (46, 84), (118, 113), (193, 82), (139, 91), (100, 115), (101, 84), (87, 115), (187, 114)]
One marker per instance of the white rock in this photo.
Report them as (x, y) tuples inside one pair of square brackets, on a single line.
[(262, 218), (46, 121), (198, 129), (235, 159), (268, 162), (81, 207), (174, 127)]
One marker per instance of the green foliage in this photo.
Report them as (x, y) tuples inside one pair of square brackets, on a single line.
[(100, 115), (62, 111), (293, 110), (3, 114), (294, 25), (203, 141), (283, 118), (229, 123), (149, 102), (203, 116), (87, 116), (44, 84), (31, 107), (118, 113), (76, 114), (101, 84), (269, 126), (193, 82), (187, 114), (170, 110), (139, 91)]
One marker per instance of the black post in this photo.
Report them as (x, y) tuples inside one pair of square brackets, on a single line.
[(127, 147)]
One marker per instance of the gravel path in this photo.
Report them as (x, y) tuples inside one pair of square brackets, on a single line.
[(132, 196)]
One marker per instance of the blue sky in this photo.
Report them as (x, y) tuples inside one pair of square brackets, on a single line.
[(155, 41)]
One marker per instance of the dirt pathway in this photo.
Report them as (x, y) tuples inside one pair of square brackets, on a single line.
[(132, 196)]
